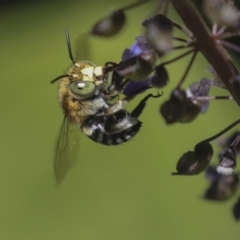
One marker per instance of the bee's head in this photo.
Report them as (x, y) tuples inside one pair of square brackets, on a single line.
[(83, 79), (86, 80)]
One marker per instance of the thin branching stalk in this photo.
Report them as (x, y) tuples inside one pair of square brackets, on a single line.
[(206, 44)]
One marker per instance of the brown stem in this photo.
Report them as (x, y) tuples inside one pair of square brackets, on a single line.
[(166, 6), (228, 35), (206, 44), (222, 132), (207, 98), (161, 6), (236, 141), (133, 5), (187, 70), (214, 28), (229, 45), (180, 39), (183, 29), (221, 30), (178, 57), (180, 47)]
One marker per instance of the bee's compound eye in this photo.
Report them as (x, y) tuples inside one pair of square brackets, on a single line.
[(83, 89)]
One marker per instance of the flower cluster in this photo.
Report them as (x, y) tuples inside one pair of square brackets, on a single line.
[(142, 66)]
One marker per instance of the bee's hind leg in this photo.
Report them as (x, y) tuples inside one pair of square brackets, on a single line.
[(139, 108), (137, 111)]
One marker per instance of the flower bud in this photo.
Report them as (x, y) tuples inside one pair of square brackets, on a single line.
[(159, 33), (174, 109), (222, 188), (160, 77), (227, 161), (200, 89), (180, 108), (135, 68), (224, 13), (193, 163), (110, 25)]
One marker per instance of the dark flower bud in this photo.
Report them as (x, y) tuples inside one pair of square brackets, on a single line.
[(227, 161), (160, 77), (211, 174), (159, 33), (137, 62), (192, 110), (222, 188), (225, 143), (135, 68), (180, 108), (110, 25), (133, 87), (173, 109), (140, 48), (222, 12), (236, 210), (228, 158), (193, 163)]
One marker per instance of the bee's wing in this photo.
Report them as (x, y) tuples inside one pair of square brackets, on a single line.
[(67, 149), (82, 48)]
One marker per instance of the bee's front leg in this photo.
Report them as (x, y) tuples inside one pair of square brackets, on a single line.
[(116, 86)]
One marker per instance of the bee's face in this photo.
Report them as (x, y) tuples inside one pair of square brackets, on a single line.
[(85, 80)]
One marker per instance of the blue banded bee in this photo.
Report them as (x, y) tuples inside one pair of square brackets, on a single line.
[(89, 101)]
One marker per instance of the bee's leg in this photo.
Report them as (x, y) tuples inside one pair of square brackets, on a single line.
[(119, 105), (116, 114), (137, 111), (140, 107), (116, 80), (116, 86)]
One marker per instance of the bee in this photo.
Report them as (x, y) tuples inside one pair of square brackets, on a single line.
[(89, 100)]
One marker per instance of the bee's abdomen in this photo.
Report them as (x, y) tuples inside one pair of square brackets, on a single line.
[(116, 138), (113, 130)]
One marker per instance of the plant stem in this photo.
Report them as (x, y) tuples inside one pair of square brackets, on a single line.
[(178, 57), (206, 44), (222, 132), (187, 69), (229, 45), (208, 98)]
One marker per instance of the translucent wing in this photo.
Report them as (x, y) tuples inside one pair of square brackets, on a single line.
[(82, 48), (67, 149)]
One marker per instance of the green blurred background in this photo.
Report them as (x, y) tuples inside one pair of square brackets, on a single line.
[(119, 193)]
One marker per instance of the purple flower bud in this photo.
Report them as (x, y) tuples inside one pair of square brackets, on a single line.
[(200, 89), (139, 48), (134, 86)]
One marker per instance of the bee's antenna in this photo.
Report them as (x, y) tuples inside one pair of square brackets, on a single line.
[(69, 48), (59, 77)]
